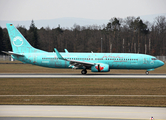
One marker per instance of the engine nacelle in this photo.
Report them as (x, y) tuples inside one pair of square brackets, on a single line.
[(100, 68)]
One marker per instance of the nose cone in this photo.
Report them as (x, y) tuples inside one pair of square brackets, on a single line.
[(161, 63)]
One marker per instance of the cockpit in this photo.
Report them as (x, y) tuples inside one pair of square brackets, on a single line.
[(154, 58)]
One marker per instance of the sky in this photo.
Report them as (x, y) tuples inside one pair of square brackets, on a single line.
[(66, 13), (21, 10)]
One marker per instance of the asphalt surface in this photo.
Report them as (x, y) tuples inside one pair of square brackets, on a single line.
[(82, 76), (44, 112)]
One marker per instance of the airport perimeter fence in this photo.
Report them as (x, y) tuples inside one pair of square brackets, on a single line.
[(9, 58), (6, 58)]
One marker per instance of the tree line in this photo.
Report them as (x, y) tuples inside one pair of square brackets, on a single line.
[(128, 35)]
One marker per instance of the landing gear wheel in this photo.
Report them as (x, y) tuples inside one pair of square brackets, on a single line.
[(84, 72), (147, 72)]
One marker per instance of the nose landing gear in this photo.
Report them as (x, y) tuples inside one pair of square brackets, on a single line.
[(147, 72)]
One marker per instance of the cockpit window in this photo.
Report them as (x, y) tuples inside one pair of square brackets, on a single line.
[(154, 58)]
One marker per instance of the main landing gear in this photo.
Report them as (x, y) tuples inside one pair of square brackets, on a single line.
[(147, 72), (84, 71)]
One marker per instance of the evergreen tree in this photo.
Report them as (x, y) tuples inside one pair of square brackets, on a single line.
[(33, 35), (23, 31), (6, 41)]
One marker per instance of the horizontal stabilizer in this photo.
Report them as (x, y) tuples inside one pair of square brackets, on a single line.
[(12, 53)]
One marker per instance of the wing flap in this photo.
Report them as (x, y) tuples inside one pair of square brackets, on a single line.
[(80, 62)]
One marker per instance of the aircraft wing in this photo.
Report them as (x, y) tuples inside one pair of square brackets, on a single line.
[(12, 53), (78, 64), (75, 63)]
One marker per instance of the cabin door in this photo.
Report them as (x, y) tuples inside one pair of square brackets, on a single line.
[(145, 61)]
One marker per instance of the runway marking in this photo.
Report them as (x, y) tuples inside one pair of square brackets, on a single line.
[(83, 95)]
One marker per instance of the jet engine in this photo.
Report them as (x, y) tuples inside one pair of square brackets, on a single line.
[(100, 68)]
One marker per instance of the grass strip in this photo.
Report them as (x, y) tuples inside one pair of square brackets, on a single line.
[(83, 86)]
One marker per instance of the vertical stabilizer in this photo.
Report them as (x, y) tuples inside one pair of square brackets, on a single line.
[(18, 42)]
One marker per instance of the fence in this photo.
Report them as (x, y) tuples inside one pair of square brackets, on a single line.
[(9, 58), (6, 58), (162, 58)]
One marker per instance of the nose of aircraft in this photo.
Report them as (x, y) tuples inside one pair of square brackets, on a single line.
[(161, 63)]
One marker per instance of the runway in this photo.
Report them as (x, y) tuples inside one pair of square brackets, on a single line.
[(82, 76), (81, 112)]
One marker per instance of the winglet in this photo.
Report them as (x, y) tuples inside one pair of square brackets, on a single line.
[(58, 54), (66, 51)]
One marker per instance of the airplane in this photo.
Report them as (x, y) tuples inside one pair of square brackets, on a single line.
[(96, 62)]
